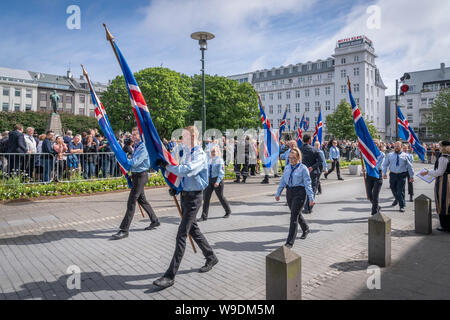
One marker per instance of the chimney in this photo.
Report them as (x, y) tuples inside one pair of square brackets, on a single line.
[(442, 68), (69, 74)]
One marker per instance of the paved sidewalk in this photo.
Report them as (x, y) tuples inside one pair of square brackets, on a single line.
[(39, 240)]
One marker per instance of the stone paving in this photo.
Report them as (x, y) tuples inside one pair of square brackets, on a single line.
[(40, 240)]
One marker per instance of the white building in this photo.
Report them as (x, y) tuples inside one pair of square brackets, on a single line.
[(18, 90), (415, 104), (309, 87)]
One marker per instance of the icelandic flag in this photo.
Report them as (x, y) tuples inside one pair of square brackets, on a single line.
[(300, 132), (367, 147), (282, 124), (306, 124), (318, 131), (271, 146), (156, 150), (405, 132), (289, 125), (103, 121)]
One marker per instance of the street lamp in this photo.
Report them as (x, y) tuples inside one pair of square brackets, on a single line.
[(406, 76), (202, 38)]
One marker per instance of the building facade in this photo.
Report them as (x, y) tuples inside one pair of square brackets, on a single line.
[(18, 90), (416, 103), (307, 88)]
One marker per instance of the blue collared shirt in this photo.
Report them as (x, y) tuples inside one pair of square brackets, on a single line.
[(380, 161), (300, 177), (324, 162), (285, 156), (404, 164), (216, 168), (140, 161), (334, 153), (193, 169)]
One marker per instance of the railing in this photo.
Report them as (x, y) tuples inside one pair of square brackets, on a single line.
[(46, 167)]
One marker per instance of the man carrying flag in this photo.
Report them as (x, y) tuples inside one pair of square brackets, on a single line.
[(317, 136)]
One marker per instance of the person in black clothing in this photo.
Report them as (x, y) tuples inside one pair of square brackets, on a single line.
[(241, 163), (47, 156), (16, 144), (312, 160), (89, 159)]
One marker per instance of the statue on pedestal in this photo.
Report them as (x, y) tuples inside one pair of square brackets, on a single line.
[(54, 99)]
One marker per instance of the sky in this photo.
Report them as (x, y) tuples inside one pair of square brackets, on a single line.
[(410, 35)]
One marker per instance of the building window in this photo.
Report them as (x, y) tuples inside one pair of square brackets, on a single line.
[(17, 92), (297, 107), (306, 106), (367, 89), (378, 92), (279, 108), (329, 63), (343, 89), (330, 75), (309, 66), (91, 113), (271, 96), (288, 94), (343, 61), (378, 106), (297, 93), (319, 77), (309, 78), (16, 107), (424, 101), (371, 75), (356, 58), (301, 79), (317, 91), (6, 92), (356, 71), (430, 101), (29, 93), (409, 103), (271, 109), (279, 96), (28, 107), (327, 90), (5, 107), (343, 73), (306, 92), (367, 72), (317, 105), (281, 81), (327, 105), (82, 98), (69, 99), (410, 118), (288, 108), (319, 65), (290, 80), (356, 87), (43, 97)]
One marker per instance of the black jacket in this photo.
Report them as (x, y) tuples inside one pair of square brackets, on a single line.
[(311, 158), (16, 142)]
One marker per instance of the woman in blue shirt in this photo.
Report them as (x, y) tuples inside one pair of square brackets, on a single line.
[(298, 182), (216, 173)]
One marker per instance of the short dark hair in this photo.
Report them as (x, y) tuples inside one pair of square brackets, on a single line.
[(306, 138), (49, 131), (18, 126)]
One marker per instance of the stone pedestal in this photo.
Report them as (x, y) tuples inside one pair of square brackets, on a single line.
[(380, 240), (55, 125), (354, 169), (283, 275), (422, 214)]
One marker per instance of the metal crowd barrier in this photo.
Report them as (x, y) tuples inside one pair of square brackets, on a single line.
[(46, 167)]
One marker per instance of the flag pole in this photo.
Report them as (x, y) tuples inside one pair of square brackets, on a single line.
[(360, 153), (181, 215)]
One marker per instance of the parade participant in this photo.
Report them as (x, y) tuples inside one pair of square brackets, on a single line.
[(285, 156), (241, 163), (298, 182), (406, 150), (216, 170), (194, 172), (334, 157), (322, 167), (373, 183), (442, 185), (311, 159), (398, 163), (139, 166)]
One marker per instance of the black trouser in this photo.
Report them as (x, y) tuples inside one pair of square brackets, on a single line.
[(241, 169), (314, 177), (252, 168), (207, 197), (397, 185), (190, 204), (137, 193), (373, 190), (444, 220), (319, 186), (296, 197), (335, 163), (410, 185)]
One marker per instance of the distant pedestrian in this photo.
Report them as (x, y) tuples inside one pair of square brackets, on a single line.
[(334, 157)]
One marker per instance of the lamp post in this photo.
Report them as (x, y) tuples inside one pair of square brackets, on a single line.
[(202, 38)]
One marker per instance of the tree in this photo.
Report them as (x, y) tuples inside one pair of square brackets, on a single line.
[(340, 123), (166, 92), (438, 120), (229, 105)]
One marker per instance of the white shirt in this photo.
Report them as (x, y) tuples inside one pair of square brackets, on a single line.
[(442, 166), (31, 143)]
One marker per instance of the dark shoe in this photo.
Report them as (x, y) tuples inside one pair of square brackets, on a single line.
[(266, 180), (319, 192), (243, 180), (276, 176), (120, 235), (227, 215), (164, 282), (202, 218), (153, 225), (411, 198), (401, 209), (208, 265), (326, 175), (286, 204), (238, 179), (306, 211), (395, 203), (288, 245), (305, 234), (340, 178)]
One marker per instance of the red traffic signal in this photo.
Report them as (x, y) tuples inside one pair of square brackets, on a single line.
[(404, 88)]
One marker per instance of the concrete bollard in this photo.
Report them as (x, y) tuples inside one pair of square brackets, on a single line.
[(422, 214), (380, 240), (283, 275)]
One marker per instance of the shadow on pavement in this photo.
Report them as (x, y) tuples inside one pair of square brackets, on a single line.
[(348, 266)]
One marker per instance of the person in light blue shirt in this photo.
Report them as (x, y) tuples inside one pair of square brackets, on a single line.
[(216, 170), (139, 166), (194, 172), (334, 157), (408, 151), (399, 165), (298, 183), (323, 168)]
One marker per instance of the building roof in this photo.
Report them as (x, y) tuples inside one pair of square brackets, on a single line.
[(15, 74), (418, 78), (52, 81)]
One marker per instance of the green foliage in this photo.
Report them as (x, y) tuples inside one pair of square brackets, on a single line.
[(438, 120), (39, 121), (340, 123), (229, 105)]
